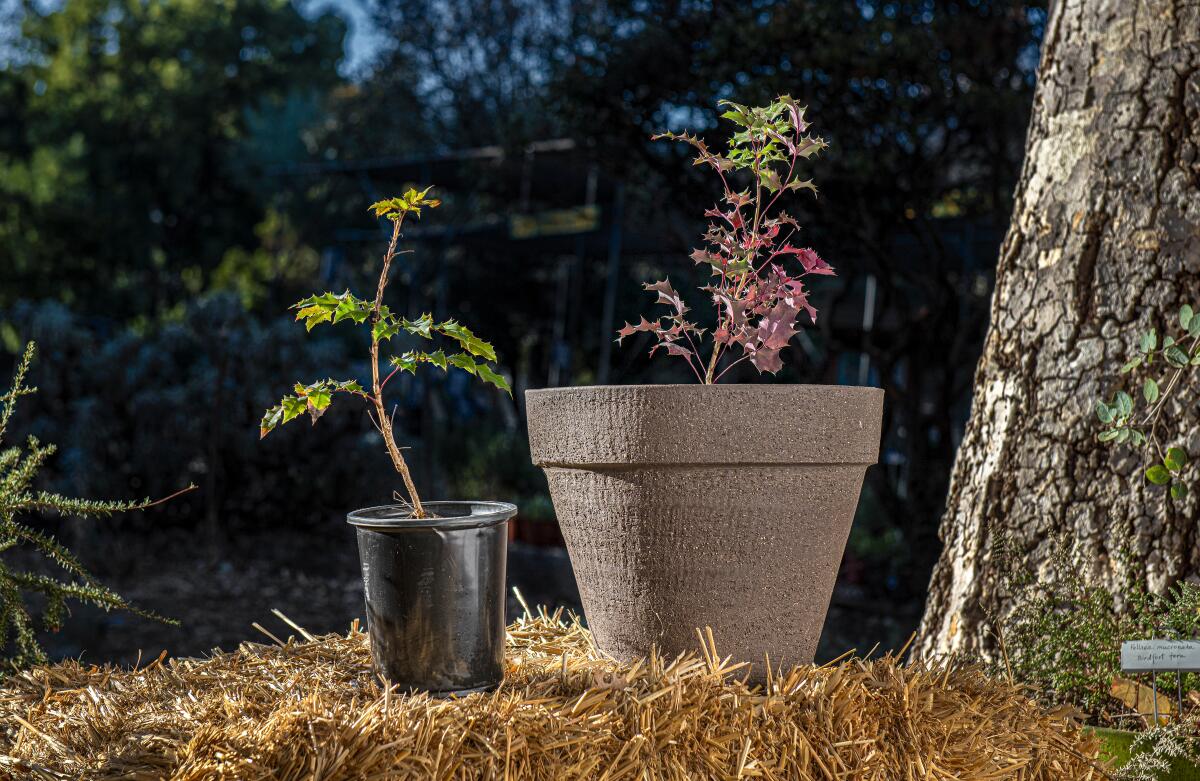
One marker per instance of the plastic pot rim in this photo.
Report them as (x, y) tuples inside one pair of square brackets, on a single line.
[(445, 515)]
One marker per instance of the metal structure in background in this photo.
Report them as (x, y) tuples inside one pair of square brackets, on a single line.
[(566, 210), (549, 209)]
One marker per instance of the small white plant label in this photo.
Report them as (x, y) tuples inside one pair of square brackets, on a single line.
[(1143, 656)]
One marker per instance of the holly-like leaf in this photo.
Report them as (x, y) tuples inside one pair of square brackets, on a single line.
[(809, 259), (384, 329), (409, 203), (468, 340), (464, 362), (422, 326), (487, 374), (766, 360), (313, 399), (331, 307), (353, 308), (407, 362), (272, 418), (645, 325)]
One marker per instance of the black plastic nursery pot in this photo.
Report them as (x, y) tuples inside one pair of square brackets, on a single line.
[(434, 591)]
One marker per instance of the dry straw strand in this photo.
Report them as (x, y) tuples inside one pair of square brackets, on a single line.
[(310, 708)]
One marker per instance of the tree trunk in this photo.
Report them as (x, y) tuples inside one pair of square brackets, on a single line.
[(1104, 242)]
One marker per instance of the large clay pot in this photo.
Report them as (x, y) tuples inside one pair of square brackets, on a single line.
[(690, 506)]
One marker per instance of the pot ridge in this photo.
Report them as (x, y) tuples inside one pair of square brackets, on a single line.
[(622, 425)]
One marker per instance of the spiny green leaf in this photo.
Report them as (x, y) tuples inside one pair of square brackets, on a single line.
[(488, 375), (469, 341), (272, 418), (331, 307), (313, 399), (406, 362), (293, 407), (422, 326), (464, 362), (353, 308), (384, 330), (313, 316)]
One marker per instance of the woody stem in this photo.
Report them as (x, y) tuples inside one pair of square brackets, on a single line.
[(385, 422)]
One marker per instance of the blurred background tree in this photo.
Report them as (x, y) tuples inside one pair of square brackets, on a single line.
[(174, 173), (133, 137)]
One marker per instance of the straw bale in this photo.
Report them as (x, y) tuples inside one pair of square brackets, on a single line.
[(310, 709)]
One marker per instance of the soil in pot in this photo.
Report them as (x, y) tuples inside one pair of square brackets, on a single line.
[(434, 592)]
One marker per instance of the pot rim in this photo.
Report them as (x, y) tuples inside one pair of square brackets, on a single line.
[(465, 514), (633, 426), (768, 387)]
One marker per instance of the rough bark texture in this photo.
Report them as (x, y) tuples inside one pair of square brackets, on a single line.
[(1105, 240)]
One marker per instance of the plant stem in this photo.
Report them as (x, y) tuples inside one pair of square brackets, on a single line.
[(385, 423), (709, 379)]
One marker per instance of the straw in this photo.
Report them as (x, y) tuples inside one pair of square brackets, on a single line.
[(311, 709)]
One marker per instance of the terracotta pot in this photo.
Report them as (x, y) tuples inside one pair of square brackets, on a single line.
[(686, 506)]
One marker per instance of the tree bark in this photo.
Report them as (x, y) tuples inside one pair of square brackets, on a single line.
[(1104, 242)]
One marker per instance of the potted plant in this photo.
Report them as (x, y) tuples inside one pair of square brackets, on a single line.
[(433, 572), (688, 506)]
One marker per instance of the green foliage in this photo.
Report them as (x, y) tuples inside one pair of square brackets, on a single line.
[(409, 203), (18, 469), (133, 135), (1165, 370), (384, 325), (1165, 753), (1064, 636)]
